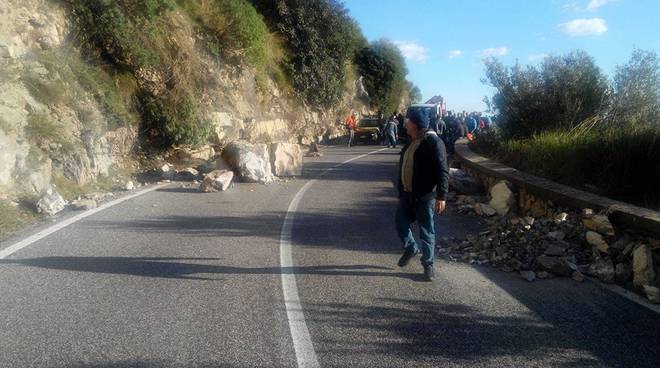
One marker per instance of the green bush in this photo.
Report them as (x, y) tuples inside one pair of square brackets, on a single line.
[(384, 71), (560, 94), (175, 119), (320, 36)]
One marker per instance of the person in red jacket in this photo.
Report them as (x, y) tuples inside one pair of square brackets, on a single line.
[(350, 125)]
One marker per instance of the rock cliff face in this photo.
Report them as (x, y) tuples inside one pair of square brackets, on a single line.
[(57, 120)]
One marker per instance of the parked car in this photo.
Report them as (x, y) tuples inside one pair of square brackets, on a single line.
[(368, 130)]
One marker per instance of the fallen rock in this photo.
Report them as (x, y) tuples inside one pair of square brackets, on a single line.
[(483, 209), (129, 185), (560, 266), (643, 271), (51, 203), (597, 240), (528, 275), (167, 172), (652, 293), (554, 250), (561, 217), (577, 276), (83, 204), (603, 269), (623, 273), (251, 161), (188, 174), (600, 224), (528, 220), (557, 235), (587, 213), (463, 183), (502, 198), (216, 180), (286, 159), (543, 275)]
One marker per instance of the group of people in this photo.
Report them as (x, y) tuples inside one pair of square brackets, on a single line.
[(388, 133), (451, 127)]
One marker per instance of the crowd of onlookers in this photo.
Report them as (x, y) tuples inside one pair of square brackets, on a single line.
[(450, 127)]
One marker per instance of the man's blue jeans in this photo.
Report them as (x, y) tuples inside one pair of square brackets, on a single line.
[(422, 211)]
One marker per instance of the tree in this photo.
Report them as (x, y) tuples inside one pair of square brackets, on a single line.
[(636, 87), (560, 94), (384, 71)]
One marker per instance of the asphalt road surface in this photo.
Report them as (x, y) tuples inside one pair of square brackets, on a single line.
[(176, 278)]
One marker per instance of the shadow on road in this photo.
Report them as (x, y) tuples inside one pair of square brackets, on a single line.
[(464, 335), (187, 268)]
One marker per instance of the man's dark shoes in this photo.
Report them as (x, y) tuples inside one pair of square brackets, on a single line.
[(429, 273), (407, 256)]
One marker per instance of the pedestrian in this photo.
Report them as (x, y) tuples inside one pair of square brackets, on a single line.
[(350, 125), (392, 131), (423, 186)]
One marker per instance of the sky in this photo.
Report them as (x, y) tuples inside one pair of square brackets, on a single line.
[(445, 42)]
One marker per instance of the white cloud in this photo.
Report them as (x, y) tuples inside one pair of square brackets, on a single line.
[(537, 57), (494, 51), (412, 50), (584, 27), (455, 53), (595, 4)]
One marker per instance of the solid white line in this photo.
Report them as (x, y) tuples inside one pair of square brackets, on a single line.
[(302, 342), (61, 225)]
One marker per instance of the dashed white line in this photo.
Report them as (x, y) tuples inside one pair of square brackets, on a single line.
[(61, 225), (302, 342)]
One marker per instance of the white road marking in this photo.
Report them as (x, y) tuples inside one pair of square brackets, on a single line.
[(302, 342), (61, 225), (627, 294)]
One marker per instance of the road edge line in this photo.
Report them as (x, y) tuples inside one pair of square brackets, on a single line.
[(302, 341), (6, 252)]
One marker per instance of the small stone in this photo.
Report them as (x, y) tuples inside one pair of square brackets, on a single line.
[(587, 213), (600, 224), (560, 266), (84, 204), (543, 275), (515, 220), (561, 217), (623, 273), (557, 235), (528, 275), (597, 240), (603, 269), (577, 276), (652, 293), (129, 185), (528, 220), (483, 209), (554, 250)]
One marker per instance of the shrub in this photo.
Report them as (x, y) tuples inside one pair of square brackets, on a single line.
[(560, 94), (175, 119), (384, 70), (320, 37)]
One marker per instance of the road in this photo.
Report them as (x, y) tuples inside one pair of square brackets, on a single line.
[(176, 278)]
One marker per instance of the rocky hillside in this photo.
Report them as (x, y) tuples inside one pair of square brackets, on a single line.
[(81, 113)]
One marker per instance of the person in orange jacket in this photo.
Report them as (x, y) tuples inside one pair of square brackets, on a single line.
[(350, 125)]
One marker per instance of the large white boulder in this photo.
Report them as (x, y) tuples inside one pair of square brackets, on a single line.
[(250, 161), (286, 159), (51, 203), (502, 198)]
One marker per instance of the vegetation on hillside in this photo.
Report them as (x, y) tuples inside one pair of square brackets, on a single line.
[(565, 120), (308, 47), (384, 71)]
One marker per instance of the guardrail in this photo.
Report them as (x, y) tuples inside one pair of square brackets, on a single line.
[(621, 214)]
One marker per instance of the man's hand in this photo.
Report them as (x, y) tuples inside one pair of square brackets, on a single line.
[(439, 206)]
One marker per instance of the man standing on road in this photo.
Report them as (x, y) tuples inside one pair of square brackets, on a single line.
[(423, 186), (391, 131), (350, 125)]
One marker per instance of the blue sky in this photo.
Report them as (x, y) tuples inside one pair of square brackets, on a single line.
[(445, 41)]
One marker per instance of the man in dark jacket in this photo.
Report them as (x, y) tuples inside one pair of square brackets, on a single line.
[(423, 186)]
